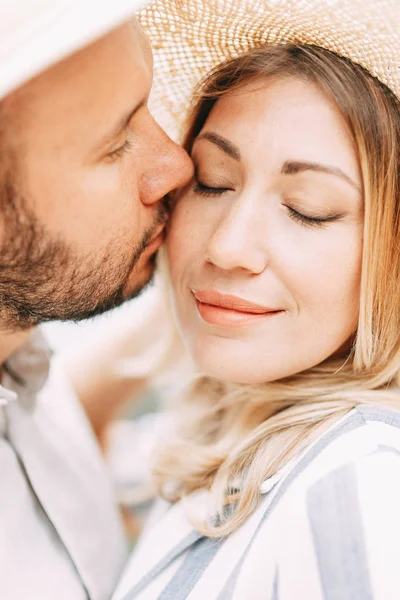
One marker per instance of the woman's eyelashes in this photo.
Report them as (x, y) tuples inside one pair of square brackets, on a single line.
[(207, 183), (312, 220), (206, 189)]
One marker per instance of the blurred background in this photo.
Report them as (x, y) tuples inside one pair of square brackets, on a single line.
[(126, 366)]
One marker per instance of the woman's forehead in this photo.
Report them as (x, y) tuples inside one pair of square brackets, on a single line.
[(285, 117)]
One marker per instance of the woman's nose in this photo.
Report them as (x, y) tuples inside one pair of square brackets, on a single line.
[(166, 167), (238, 242)]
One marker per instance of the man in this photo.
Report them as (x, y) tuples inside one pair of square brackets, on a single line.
[(84, 172)]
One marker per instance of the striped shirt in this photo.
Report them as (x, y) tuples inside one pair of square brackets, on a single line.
[(327, 528)]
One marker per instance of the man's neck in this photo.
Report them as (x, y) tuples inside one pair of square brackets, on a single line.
[(10, 342)]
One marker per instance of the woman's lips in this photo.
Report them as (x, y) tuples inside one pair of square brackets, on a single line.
[(225, 310)]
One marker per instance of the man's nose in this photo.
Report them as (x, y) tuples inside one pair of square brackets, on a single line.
[(166, 167)]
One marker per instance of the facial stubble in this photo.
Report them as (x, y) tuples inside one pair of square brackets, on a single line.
[(43, 279)]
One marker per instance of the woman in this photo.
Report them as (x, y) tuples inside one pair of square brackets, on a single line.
[(282, 479)]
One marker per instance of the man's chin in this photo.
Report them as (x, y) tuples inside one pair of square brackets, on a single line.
[(137, 283)]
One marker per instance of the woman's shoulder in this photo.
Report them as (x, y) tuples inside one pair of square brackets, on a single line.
[(334, 516), (364, 444)]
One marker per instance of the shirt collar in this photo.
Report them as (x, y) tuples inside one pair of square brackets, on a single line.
[(25, 372)]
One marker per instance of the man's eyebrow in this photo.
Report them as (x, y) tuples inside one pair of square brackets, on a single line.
[(293, 167), (222, 143), (123, 123)]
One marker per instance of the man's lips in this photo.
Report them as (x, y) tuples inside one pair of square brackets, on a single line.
[(225, 310)]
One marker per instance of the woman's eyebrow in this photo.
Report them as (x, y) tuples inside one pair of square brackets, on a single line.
[(222, 143), (293, 167)]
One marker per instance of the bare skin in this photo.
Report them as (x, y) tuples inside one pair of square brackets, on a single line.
[(265, 244), (83, 199), (252, 226)]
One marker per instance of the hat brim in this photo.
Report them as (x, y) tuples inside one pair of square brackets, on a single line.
[(192, 37), (58, 33)]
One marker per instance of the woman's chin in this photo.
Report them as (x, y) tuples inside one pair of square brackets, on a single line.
[(235, 370), (239, 361)]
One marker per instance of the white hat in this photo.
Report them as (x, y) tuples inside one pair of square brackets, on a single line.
[(35, 34), (191, 37)]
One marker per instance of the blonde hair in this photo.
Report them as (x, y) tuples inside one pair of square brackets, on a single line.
[(232, 433)]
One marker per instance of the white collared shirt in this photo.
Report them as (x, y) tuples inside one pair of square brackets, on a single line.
[(60, 531)]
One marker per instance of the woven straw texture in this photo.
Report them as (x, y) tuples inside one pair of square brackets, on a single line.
[(190, 37)]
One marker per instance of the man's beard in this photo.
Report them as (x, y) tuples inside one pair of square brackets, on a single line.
[(43, 279)]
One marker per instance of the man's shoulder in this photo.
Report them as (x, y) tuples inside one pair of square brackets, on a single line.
[(57, 495)]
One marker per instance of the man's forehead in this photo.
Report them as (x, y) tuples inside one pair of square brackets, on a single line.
[(102, 69)]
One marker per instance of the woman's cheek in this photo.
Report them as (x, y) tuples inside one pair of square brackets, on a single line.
[(187, 223), (181, 235)]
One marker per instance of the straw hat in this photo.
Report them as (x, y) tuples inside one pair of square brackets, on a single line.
[(190, 37), (35, 34)]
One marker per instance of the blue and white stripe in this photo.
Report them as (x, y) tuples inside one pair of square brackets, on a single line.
[(329, 529)]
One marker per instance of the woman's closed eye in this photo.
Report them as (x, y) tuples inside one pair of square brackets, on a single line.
[(210, 188), (312, 220)]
